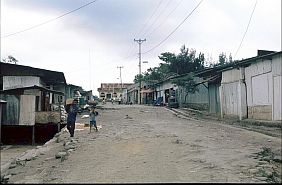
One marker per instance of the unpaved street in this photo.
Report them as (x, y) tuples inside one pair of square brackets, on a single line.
[(152, 144)]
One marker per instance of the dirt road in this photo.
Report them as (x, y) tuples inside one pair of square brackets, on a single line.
[(151, 144)]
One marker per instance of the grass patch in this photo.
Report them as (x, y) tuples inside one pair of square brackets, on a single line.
[(272, 175), (266, 154)]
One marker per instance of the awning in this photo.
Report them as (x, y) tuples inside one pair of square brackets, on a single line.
[(147, 91), (2, 102)]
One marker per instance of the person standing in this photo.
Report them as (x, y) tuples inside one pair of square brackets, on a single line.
[(72, 110), (92, 115)]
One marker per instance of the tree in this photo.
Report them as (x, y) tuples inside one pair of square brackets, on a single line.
[(230, 58), (185, 62), (153, 74), (10, 59), (138, 78), (187, 82), (222, 59)]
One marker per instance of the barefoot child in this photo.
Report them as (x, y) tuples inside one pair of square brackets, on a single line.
[(92, 116)]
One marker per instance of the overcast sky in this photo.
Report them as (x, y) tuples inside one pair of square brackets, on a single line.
[(88, 45)]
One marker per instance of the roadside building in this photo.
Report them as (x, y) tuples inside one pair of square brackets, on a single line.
[(113, 91), (35, 98), (132, 93), (251, 88)]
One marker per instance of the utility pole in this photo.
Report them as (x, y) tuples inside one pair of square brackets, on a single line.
[(120, 75), (139, 41)]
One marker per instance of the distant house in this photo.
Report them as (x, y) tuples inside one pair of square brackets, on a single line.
[(132, 93), (163, 90), (34, 98), (147, 93), (113, 91), (170, 92)]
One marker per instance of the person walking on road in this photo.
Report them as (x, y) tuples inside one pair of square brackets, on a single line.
[(92, 115), (72, 110)]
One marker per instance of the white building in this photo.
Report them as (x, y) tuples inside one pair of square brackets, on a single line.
[(252, 88)]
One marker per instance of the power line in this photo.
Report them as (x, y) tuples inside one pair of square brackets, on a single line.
[(155, 10), (51, 20), (175, 28), (164, 19), (158, 16), (140, 31), (246, 29)]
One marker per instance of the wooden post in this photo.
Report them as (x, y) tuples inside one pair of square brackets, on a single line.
[(2, 102), (59, 124), (33, 133)]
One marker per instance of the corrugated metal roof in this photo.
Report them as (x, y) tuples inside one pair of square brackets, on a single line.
[(19, 90), (49, 77)]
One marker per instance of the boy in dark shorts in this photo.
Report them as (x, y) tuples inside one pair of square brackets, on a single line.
[(92, 115)]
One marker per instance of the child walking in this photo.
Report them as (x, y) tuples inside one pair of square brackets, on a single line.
[(92, 116)]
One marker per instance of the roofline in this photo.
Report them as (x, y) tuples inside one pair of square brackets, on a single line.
[(248, 61), (223, 68), (32, 67), (35, 69), (31, 87)]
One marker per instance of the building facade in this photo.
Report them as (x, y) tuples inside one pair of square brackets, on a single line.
[(113, 91)]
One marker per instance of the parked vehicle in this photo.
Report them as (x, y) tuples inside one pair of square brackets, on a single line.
[(172, 102), (159, 101)]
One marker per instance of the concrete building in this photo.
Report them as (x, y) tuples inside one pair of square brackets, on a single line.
[(132, 93), (110, 91)]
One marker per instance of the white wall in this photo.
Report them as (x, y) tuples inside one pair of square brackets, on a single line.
[(277, 87), (200, 96), (163, 86), (263, 80), (12, 82), (277, 113), (259, 81), (230, 76), (233, 94)]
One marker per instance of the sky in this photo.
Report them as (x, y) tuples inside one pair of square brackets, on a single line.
[(94, 44)]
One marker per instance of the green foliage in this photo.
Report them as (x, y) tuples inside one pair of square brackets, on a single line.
[(184, 62), (272, 175), (223, 60), (155, 74), (266, 154), (187, 61), (138, 78), (187, 82)]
